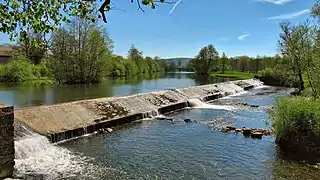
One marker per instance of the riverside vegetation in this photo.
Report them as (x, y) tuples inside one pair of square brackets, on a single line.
[(81, 52)]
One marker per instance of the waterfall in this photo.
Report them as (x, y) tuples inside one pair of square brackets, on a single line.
[(35, 156), (197, 103)]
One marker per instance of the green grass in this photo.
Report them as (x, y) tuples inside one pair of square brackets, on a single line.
[(234, 74)]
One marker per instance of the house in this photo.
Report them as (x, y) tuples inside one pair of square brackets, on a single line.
[(6, 52)]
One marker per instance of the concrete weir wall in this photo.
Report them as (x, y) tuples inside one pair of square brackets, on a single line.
[(72, 119), (6, 141)]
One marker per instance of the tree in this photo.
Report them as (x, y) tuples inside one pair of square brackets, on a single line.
[(224, 61), (80, 53), (244, 63), (179, 63), (204, 61), (296, 47), (44, 16), (257, 63), (134, 54), (34, 47), (316, 10)]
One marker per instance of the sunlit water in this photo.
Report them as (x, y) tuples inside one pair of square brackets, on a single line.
[(160, 149), (30, 95)]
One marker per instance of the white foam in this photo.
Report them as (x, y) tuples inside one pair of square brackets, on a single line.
[(262, 86), (160, 116), (235, 95), (35, 155), (196, 103)]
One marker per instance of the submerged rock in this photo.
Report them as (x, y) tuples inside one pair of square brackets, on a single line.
[(187, 120), (246, 104), (225, 129)]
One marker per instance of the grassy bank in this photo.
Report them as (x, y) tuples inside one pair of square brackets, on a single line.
[(234, 74), (296, 121)]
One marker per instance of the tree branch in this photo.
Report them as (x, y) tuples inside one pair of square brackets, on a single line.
[(106, 6)]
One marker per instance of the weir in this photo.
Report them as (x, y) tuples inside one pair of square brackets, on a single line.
[(72, 119)]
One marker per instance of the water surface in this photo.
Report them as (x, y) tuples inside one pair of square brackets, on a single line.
[(29, 95), (158, 149)]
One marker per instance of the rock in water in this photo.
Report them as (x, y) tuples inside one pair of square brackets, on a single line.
[(109, 130), (231, 128), (170, 119), (256, 135), (246, 132), (100, 131), (187, 120), (225, 129)]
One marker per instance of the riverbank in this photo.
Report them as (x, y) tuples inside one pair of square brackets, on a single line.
[(235, 75)]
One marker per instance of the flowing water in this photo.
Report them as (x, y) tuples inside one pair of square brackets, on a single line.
[(161, 149)]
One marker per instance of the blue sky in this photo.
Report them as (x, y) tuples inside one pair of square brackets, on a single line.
[(236, 27)]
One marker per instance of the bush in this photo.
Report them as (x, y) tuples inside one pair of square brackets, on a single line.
[(297, 124), (278, 77), (296, 114), (17, 71), (20, 70)]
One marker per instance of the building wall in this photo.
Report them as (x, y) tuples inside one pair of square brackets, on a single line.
[(4, 59)]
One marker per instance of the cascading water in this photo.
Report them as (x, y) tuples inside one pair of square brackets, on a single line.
[(197, 103), (36, 157)]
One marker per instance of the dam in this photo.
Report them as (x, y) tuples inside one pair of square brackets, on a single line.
[(73, 119)]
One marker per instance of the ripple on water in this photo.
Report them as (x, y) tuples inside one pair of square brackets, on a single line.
[(177, 150)]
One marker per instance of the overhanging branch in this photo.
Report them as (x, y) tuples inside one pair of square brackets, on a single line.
[(105, 6)]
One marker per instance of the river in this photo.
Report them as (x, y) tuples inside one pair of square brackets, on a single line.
[(30, 95), (159, 149)]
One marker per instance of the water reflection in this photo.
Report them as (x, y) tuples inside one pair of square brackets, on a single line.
[(30, 95)]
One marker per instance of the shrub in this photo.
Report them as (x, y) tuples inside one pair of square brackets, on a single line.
[(297, 125), (20, 70), (278, 77), (296, 114), (17, 71)]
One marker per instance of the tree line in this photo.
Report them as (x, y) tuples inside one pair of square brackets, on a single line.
[(208, 60), (79, 52)]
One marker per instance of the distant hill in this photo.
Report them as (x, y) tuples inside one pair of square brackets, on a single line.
[(175, 60)]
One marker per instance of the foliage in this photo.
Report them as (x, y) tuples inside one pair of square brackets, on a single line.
[(278, 77), (205, 61), (34, 47), (19, 16), (80, 51), (234, 74), (20, 70), (295, 115), (316, 10), (223, 62)]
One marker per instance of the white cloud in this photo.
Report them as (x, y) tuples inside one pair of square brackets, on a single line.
[(243, 36), (290, 15), (278, 2), (174, 6)]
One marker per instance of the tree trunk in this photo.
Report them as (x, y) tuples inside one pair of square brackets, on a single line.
[(301, 80)]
